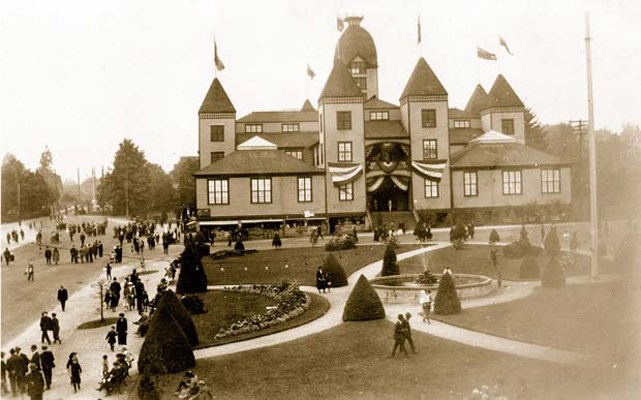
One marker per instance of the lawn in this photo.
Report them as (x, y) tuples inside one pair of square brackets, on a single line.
[(475, 259), (352, 361), (225, 308), (602, 319), (297, 264)]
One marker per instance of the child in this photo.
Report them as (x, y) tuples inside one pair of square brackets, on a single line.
[(111, 337)]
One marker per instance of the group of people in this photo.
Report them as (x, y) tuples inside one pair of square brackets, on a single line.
[(323, 281), (47, 324), (86, 252), (192, 388), (15, 235), (31, 375), (402, 334), (114, 376)]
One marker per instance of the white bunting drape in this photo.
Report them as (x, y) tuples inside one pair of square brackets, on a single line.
[(401, 183), (429, 171), (374, 184), (342, 174)]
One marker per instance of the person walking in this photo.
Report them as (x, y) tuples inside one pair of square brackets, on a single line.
[(408, 331), (121, 329), (55, 328), (23, 361), (108, 270), (7, 256), (3, 384), (63, 295), (111, 337), (47, 362), (56, 255), (45, 326), (425, 299), (48, 255), (13, 366), (35, 356), (320, 279), (35, 382), (75, 370), (399, 336), (115, 289), (29, 272)]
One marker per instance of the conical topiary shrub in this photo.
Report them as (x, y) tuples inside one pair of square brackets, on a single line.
[(170, 302), (363, 303), (335, 271), (192, 277), (553, 276), (447, 301), (529, 268), (552, 244), (390, 267), (494, 237), (147, 389), (166, 349)]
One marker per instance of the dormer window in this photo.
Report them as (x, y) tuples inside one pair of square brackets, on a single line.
[(462, 123), (357, 68), (379, 115), (290, 127), (253, 128)]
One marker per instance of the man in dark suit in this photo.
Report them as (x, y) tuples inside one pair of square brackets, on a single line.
[(23, 362), (35, 356), (55, 328), (47, 364), (35, 384), (45, 326), (121, 329), (63, 296)]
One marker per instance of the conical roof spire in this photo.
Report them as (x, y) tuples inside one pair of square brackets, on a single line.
[(502, 94), (423, 82), (340, 83), (307, 106), (216, 100), (478, 101)]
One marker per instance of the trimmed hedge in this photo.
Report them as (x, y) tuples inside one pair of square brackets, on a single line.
[(166, 349), (170, 302), (363, 303), (552, 244), (390, 267), (553, 276), (147, 389), (335, 270), (192, 277), (341, 243), (529, 268), (494, 237), (447, 301)]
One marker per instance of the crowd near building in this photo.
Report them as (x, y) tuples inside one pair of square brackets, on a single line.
[(359, 157)]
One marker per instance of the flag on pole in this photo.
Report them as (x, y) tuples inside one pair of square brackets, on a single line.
[(339, 24), (219, 64), (418, 41), (503, 43), (484, 54), (310, 72)]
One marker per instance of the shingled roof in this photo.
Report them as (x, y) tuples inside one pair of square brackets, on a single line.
[(502, 94), (423, 82), (384, 130), (376, 103), (258, 162), (464, 135), (340, 83), (284, 140), (307, 106), (478, 101), (279, 116), (216, 100), (356, 41)]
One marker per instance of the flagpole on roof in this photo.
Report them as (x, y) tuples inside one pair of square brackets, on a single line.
[(215, 51)]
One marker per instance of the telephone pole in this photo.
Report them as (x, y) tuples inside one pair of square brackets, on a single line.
[(580, 127), (127, 191)]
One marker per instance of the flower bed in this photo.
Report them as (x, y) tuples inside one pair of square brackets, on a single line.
[(292, 302)]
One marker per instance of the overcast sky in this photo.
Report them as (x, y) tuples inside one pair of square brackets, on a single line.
[(79, 76)]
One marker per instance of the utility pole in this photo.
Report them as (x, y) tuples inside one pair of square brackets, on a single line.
[(594, 222), (579, 126), (127, 191)]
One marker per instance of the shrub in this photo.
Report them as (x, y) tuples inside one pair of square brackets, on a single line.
[(520, 249), (363, 303), (192, 277), (529, 268), (170, 302), (447, 301), (390, 267), (341, 243), (427, 278), (166, 349), (494, 237), (193, 304), (147, 389), (335, 271), (552, 245), (553, 276)]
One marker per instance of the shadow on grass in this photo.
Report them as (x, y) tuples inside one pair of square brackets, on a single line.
[(97, 323)]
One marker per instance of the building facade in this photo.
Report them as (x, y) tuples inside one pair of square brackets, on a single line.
[(359, 157)]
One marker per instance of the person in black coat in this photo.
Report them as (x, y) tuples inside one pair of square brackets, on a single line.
[(35, 383), (121, 329), (63, 296), (35, 356), (45, 326), (47, 364), (115, 289)]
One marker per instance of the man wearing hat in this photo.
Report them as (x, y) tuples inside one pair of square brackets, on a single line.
[(35, 382), (121, 329), (47, 363), (45, 326)]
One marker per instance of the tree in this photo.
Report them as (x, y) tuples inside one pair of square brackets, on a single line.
[(12, 172), (170, 302), (161, 195), (447, 301), (534, 134), (192, 277), (363, 303), (184, 180), (335, 271), (390, 267), (45, 169)]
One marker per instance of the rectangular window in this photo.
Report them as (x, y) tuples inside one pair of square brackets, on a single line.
[(429, 149), (507, 126), (428, 118), (298, 153), (346, 192), (343, 120), (551, 180), (462, 123), (344, 151), (217, 155), (261, 190), (470, 185), (217, 133), (379, 115), (253, 128), (290, 128), (361, 82), (431, 188), (512, 182), (357, 68), (218, 191), (305, 190)]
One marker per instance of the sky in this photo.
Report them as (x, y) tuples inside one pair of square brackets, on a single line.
[(80, 76)]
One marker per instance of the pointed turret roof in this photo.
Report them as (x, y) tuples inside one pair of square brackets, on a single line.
[(340, 83), (216, 100), (423, 82), (307, 106), (478, 101), (502, 94)]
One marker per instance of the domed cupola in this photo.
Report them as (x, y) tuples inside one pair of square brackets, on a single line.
[(356, 49)]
